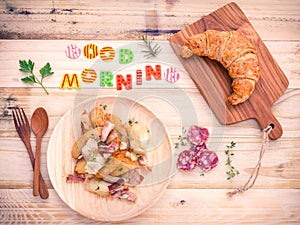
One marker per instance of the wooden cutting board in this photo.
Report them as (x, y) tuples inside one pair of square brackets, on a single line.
[(213, 81)]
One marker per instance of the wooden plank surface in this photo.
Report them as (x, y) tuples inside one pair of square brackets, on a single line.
[(127, 19), (276, 173), (190, 198), (187, 206)]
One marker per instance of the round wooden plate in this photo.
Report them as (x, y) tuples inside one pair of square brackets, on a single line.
[(60, 163)]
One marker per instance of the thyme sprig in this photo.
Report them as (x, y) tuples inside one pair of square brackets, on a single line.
[(232, 172), (152, 51), (182, 139)]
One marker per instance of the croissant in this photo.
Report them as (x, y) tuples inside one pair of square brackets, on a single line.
[(235, 52)]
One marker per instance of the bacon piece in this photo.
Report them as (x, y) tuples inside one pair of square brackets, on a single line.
[(111, 137), (123, 192), (107, 128), (128, 195), (112, 147), (75, 178), (133, 177)]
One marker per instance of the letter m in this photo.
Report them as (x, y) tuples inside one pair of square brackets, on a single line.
[(71, 83)]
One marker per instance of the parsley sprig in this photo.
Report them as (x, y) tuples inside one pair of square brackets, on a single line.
[(27, 67), (232, 172)]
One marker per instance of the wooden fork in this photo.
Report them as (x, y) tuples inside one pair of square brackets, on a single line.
[(23, 129)]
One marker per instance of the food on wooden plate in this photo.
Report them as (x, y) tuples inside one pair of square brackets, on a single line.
[(235, 52), (111, 157), (197, 154)]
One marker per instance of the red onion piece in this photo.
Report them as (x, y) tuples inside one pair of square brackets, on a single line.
[(197, 135), (187, 160), (208, 160), (116, 185)]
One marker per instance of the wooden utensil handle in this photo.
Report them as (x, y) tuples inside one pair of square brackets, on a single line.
[(267, 118), (43, 189), (36, 174)]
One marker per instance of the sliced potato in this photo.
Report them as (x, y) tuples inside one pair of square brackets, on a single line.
[(98, 186), (122, 169), (117, 165), (80, 166), (78, 145), (110, 166), (140, 133), (124, 164)]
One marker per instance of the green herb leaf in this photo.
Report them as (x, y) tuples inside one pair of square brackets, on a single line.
[(29, 80), (26, 67), (131, 121), (93, 159), (232, 172), (104, 106), (46, 71), (183, 140), (152, 51)]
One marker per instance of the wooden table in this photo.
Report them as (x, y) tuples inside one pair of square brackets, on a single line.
[(189, 198)]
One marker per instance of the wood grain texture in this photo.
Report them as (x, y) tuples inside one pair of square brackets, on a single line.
[(88, 20), (213, 81), (280, 167), (275, 197), (177, 206)]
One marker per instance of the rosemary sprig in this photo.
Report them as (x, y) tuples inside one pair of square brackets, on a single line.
[(232, 172), (152, 51), (183, 141)]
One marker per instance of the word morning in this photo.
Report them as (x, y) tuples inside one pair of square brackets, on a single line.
[(106, 77)]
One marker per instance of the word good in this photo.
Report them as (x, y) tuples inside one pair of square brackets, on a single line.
[(107, 53)]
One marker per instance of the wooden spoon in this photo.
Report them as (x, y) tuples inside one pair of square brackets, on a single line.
[(39, 126)]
